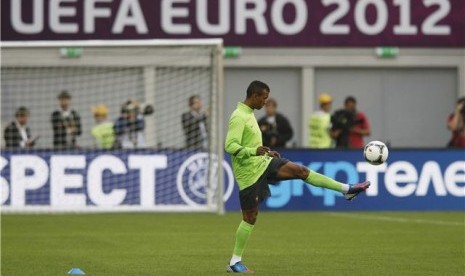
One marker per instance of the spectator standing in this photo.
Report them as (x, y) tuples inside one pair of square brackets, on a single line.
[(17, 134), (103, 130), (456, 124), (275, 127), (350, 125), (194, 124), (321, 135), (129, 127), (66, 123)]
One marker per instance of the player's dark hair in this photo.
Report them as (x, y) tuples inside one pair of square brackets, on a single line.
[(350, 99), (192, 99), (256, 87)]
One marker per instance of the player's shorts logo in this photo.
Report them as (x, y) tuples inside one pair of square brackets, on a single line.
[(193, 177)]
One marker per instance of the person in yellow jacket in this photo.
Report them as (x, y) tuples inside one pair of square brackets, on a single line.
[(103, 130), (321, 135)]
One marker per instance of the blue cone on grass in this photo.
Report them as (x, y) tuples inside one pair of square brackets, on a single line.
[(76, 271)]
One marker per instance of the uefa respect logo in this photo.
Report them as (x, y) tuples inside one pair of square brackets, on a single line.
[(192, 179)]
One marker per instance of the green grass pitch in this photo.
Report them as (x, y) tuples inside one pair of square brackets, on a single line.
[(283, 243)]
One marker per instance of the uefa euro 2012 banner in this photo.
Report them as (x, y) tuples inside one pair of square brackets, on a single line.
[(257, 23), (175, 180)]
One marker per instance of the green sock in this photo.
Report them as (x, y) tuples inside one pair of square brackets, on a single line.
[(242, 236), (320, 180)]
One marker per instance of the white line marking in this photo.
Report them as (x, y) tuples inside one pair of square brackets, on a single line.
[(393, 219)]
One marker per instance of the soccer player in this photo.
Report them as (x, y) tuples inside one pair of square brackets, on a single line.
[(255, 166)]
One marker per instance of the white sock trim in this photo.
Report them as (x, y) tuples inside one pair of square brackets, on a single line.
[(345, 188), (235, 259)]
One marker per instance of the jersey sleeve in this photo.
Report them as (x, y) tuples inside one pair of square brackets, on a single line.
[(234, 144)]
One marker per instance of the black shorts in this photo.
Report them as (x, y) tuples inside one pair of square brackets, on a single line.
[(251, 196)]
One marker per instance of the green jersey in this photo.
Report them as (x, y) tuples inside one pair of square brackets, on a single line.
[(104, 135), (243, 139)]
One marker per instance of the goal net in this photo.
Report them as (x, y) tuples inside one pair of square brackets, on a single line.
[(112, 126)]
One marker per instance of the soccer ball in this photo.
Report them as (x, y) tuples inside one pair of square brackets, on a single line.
[(375, 152)]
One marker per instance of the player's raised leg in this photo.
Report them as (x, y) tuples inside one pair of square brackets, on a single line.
[(292, 170)]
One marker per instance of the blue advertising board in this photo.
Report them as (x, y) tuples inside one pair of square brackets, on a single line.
[(134, 180), (175, 180), (409, 180)]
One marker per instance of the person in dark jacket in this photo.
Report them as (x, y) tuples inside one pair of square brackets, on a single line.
[(350, 126), (66, 123), (17, 134), (275, 127), (194, 124)]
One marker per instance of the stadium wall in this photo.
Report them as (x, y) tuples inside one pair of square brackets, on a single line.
[(96, 181), (416, 90)]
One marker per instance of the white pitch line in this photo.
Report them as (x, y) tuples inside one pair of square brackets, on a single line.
[(393, 219)]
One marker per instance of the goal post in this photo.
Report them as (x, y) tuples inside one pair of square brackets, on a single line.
[(127, 125)]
